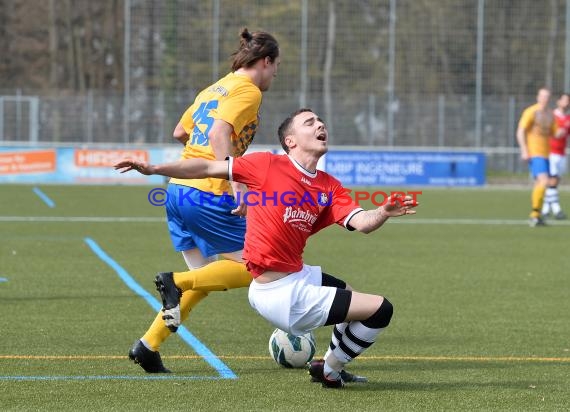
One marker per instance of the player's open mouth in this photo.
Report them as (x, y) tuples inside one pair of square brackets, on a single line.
[(322, 137)]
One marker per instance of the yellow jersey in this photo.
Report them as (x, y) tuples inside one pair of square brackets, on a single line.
[(234, 99), (538, 125)]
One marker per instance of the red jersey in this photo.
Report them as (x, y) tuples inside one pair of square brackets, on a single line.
[(558, 145), (286, 205)]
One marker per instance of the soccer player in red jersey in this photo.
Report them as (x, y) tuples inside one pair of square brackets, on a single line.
[(289, 201), (557, 159)]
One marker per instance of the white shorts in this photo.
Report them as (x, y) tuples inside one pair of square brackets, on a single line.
[(557, 164), (297, 303)]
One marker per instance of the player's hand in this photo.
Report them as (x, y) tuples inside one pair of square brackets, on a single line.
[(127, 165), (399, 206), (239, 190), (241, 210)]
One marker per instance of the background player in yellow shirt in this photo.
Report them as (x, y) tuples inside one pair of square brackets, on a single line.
[(204, 221), (535, 127)]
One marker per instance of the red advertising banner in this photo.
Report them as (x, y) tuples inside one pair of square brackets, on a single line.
[(38, 161), (106, 158)]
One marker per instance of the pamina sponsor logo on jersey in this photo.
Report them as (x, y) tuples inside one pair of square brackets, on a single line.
[(298, 215)]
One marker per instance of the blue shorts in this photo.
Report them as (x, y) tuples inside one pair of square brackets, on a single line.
[(538, 165), (201, 220)]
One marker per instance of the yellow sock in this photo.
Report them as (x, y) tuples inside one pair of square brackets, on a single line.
[(158, 332), (196, 283), (219, 275), (537, 198)]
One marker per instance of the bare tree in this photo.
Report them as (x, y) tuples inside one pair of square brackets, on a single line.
[(52, 45), (79, 54), (327, 94), (553, 23)]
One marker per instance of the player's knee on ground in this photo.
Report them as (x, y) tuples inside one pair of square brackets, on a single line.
[(380, 318)]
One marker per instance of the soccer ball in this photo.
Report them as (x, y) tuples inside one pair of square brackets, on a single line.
[(291, 351)]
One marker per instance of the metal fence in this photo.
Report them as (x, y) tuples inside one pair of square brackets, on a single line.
[(383, 73)]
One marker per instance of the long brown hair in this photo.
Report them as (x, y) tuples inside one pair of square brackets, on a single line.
[(252, 47)]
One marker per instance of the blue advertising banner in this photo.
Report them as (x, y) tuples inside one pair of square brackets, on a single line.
[(359, 168), (71, 165), (407, 168)]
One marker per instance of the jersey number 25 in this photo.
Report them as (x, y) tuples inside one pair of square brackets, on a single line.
[(203, 121)]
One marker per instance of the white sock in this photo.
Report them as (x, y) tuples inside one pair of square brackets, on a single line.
[(355, 339), (555, 203), (338, 330), (551, 200), (545, 207), (550, 196), (332, 368), (554, 200)]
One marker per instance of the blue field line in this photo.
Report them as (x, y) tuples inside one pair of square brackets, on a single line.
[(44, 197), (108, 377), (224, 371)]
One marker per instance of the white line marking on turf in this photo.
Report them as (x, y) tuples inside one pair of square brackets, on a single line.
[(396, 358), (83, 219), (468, 221), (148, 219), (450, 358), (107, 377)]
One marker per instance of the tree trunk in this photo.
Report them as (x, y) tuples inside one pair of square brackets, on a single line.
[(118, 42), (442, 50), (90, 53), (71, 68), (549, 70), (78, 51), (151, 86), (327, 71), (52, 45), (53, 77)]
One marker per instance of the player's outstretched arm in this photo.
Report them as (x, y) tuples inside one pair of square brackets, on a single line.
[(369, 220), (183, 169)]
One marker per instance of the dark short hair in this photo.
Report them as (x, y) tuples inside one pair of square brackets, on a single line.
[(253, 47), (285, 127)]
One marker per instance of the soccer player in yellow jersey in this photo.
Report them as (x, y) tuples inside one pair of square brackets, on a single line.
[(204, 220), (535, 127)]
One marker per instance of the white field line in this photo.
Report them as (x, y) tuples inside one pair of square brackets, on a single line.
[(143, 219), (83, 219)]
